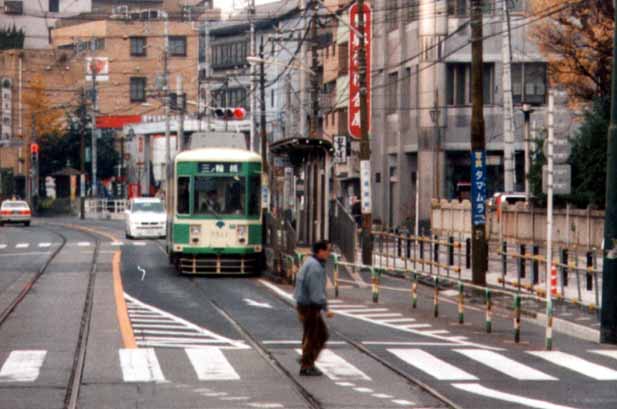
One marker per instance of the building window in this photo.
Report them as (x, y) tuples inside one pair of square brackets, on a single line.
[(177, 46), (457, 7), (529, 83), (138, 89), (138, 46), (458, 84), (54, 6), (391, 15), (411, 10), (392, 93), (517, 6), (230, 55), (406, 90)]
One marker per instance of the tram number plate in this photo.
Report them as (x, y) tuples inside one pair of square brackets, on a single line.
[(212, 167)]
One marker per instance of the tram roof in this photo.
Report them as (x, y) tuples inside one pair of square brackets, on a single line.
[(218, 155)]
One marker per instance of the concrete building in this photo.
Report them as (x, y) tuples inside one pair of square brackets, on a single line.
[(38, 18), (421, 101)]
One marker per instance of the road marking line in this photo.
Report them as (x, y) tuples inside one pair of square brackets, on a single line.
[(140, 365), (44, 245), (382, 396), (295, 342), (432, 365), (197, 341), (478, 389), (116, 243), (402, 402), (404, 343), (436, 332), (83, 244), (2, 246), (22, 246), (345, 384), (168, 326), (210, 364), (342, 306), (576, 364), (605, 352), (337, 368), (138, 243), (177, 345), (505, 365), (384, 315), (128, 338), (415, 326), (364, 310), (363, 390), (265, 405), (399, 320), (22, 366)]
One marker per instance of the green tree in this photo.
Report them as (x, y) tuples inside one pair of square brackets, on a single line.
[(588, 158)]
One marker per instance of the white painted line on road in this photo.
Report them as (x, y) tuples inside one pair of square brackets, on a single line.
[(382, 396), (365, 310), (363, 390), (436, 332), (576, 364), (265, 405), (145, 333), (210, 364), (478, 389), (404, 343), (83, 244), (346, 384), (22, 366), (432, 365), (140, 365), (2, 246), (338, 369), (22, 246), (30, 253), (505, 365), (384, 315), (139, 243), (116, 243), (416, 326), (341, 306), (605, 352), (253, 303), (296, 342), (399, 320), (403, 402), (44, 245)]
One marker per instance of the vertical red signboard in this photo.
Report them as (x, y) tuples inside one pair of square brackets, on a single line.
[(353, 119)]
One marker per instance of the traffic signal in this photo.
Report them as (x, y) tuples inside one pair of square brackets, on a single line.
[(237, 113), (34, 152), (177, 102)]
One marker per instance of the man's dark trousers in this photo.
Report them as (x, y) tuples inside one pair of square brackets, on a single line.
[(314, 336)]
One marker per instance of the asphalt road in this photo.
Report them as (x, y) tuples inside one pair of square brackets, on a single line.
[(166, 341)]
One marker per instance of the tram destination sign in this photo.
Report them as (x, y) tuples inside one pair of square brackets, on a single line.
[(218, 167)]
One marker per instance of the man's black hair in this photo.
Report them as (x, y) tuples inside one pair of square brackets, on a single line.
[(320, 245)]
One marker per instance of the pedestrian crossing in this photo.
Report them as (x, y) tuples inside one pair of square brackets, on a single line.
[(216, 364), (80, 244)]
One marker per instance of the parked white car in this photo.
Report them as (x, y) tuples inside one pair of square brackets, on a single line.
[(15, 211), (145, 218)]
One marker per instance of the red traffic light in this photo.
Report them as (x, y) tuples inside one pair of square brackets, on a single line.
[(239, 113), (34, 148)]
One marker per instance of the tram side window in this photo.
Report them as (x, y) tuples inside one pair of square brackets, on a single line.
[(254, 195), (184, 184)]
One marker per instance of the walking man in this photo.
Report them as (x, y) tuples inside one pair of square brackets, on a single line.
[(310, 295)]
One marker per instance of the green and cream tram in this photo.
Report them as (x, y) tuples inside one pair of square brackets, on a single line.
[(215, 223)]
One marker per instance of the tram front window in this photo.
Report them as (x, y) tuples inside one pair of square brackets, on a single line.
[(216, 196)]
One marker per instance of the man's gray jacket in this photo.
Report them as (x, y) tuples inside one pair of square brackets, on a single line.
[(311, 284)]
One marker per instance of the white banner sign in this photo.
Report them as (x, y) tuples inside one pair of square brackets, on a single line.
[(340, 149), (365, 186), (6, 121), (98, 66)]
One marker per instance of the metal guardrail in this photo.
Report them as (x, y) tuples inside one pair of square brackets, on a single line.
[(105, 208)]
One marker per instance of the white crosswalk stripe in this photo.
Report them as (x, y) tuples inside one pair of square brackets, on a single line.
[(505, 365), (22, 246), (140, 365), (83, 244), (606, 352), (22, 366), (44, 245), (337, 368), (116, 243), (577, 364), (432, 365), (210, 364)]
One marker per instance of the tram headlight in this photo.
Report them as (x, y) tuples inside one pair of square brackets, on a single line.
[(195, 230)]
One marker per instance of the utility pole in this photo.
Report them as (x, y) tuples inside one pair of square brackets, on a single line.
[(180, 101), (166, 102), (365, 143), (508, 110), (314, 77), (549, 215), (82, 155), (252, 74), (527, 111), (479, 247), (608, 330), (94, 134), (262, 104)]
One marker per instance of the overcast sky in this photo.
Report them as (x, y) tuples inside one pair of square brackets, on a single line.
[(229, 4)]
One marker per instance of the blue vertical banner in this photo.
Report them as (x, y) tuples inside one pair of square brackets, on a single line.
[(478, 187)]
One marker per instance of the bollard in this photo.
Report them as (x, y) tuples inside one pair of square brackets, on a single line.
[(489, 311), (414, 290), (436, 298), (522, 261), (504, 262), (451, 251), (517, 318), (588, 276), (467, 254), (564, 269), (375, 284), (399, 243), (536, 265), (549, 324), (461, 303), (336, 275)]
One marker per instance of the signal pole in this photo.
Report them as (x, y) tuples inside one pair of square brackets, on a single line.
[(479, 247), (262, 105), (168, 165), (508, 110), (365, 143), (93, 136), (252, 74), (608, 329)]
